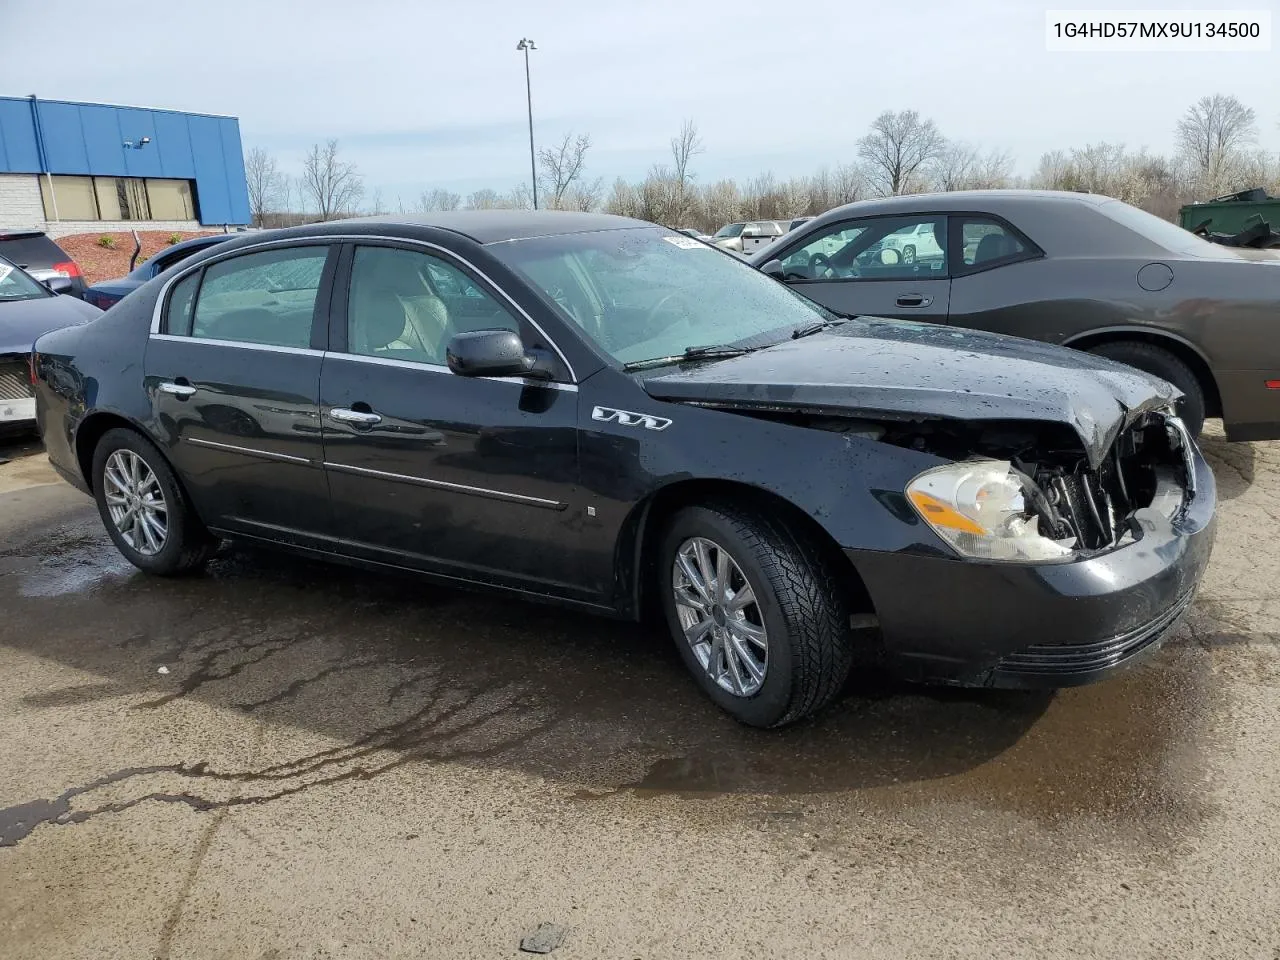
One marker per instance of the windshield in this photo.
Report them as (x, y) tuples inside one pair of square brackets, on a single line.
[(16, 285), (730, 230), (1160, 232), (648, 293)]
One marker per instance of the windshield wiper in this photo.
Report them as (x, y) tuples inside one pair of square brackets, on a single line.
[(690, 353), (818, 327)]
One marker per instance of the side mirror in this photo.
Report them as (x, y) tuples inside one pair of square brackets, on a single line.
[(773, 269), (491, 353), (890, 257), (58, 285)]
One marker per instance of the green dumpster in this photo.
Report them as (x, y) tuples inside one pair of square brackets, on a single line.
[(1232, 214)]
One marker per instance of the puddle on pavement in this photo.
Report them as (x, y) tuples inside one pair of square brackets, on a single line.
[(599, 706)]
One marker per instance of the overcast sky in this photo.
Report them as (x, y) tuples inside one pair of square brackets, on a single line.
[(431, 94)]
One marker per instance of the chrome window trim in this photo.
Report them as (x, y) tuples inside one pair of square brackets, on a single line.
[(427, 367), (250, 451), (239, 344), (444, 485), (157, 313)]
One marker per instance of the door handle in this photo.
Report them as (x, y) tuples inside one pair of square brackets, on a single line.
[(347, 415), (914, 300), (182, 390)]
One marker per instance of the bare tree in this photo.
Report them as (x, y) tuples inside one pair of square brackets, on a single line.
[(952, 167), (1214, 131), (262, 177), (562, 165), (849, 184), (993, 170), (485, 199), (332, 185), (684, 147), (898, 145), (375, 204), (520, 197), (437, 199)]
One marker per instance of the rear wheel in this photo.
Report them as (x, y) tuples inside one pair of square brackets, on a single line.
[(758, 617), (143, 507), (1163, 364), (908, 254)]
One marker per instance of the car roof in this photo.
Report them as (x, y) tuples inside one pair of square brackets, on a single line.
[(961, 200), (482, 226)]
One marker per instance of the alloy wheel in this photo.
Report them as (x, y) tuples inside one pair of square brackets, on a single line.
[(136, 502), (720, 616)]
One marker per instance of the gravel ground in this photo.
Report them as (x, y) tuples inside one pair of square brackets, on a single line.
[(281, 759)]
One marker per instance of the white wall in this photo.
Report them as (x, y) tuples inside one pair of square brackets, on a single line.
[(20, 203)]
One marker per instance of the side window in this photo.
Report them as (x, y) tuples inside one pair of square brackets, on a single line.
[(986, 243), (406, 305), (177, 318), (267, 298), (814, 260)]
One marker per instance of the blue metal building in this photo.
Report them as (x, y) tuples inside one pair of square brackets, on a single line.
[(79, 162)]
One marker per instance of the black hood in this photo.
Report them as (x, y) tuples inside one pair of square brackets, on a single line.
[(23, 321), (906, 370)]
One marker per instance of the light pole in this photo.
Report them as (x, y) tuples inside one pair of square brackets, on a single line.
[(526, 45)]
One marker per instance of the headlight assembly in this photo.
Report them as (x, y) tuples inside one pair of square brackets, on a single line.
[(980, 508)]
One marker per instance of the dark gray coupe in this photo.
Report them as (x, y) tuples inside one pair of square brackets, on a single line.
[(1079, 270)]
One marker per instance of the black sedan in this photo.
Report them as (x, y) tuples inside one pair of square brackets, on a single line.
[(603, 413), (107, 293), (28, 308), (1075, 269)]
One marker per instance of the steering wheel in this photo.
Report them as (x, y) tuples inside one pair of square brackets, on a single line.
[(661, 305), (821, 267)]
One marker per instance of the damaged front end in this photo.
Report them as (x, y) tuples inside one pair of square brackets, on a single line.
[(1030, 491), (1032, 495)]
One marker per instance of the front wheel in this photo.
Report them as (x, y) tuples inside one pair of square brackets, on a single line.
[(758, 617), (143, 507)]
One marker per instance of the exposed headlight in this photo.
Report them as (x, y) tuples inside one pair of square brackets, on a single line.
[(980, 508)]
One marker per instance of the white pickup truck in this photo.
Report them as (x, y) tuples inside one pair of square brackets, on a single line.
[(747, 236)]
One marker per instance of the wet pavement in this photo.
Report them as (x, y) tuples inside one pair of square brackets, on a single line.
[(281, 758)]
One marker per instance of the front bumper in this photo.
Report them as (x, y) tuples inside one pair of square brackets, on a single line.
[(978, 623), (18, 413)]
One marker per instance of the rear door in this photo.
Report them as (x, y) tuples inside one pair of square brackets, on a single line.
[(875, 266), (234, 374)]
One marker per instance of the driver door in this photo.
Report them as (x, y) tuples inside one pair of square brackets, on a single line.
[(875, 266)]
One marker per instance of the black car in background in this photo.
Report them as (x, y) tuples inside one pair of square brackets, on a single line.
[(603, 413), (36, 253), (1080, 270), (28, 309), (106, 293)]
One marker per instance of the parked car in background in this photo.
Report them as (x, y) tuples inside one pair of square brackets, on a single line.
[(36, 253), (789, 225), (108, 292), (747, 236), (1080, 270), (27, 309), (599, 412)]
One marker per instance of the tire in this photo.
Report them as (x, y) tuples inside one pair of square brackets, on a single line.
[(807, 644), (908, 254), (1163, 364), (185, 544)]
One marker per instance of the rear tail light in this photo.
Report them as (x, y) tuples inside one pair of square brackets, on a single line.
[(1272, 384), (67, 268), (31, 366), (101, 300)]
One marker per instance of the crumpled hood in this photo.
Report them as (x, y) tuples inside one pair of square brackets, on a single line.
[(23, 321), (907, 370)]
